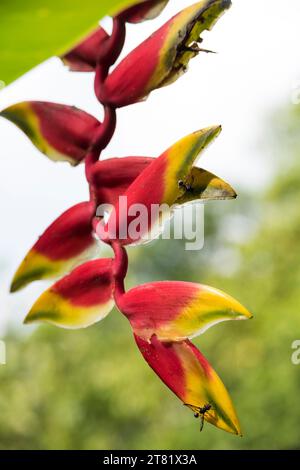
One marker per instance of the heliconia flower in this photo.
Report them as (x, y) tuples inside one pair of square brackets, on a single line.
[(63, 133), (168, 180), (163, 57), (83, 57), (80, 299), (175, 311), (188, 374), (143, 10), (66, 243)]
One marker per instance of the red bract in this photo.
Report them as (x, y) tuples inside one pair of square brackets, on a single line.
[(67, 242), (162, 58), (83, 57), (63, 133), (112, 177), (186, 372), (80, 299), (163, 315), (177, 310)]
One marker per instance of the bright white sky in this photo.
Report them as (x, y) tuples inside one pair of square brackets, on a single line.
[(253, 73)]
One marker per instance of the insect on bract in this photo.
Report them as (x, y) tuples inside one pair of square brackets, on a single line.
[(200, 412)]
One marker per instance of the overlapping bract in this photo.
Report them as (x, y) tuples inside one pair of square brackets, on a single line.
[(163, 315)]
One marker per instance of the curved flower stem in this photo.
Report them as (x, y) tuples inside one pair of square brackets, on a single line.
[(106, 59), (100, 77), (101, 140), (119, 270), (106, 131), (109, 55), (103, 136), (114, 44), (90, 159)]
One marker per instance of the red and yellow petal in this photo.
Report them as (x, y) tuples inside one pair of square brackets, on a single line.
[(162, 58), (165, 173), (186, 372), (63, 133), (163, 176), (80, 299), (67, 242), (180, 158), (83, 57), (143, 10), (175, 310)]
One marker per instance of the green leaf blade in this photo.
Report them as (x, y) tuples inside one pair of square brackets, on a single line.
[(33, 31)]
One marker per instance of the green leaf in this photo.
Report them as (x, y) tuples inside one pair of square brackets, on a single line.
[(33, 30)]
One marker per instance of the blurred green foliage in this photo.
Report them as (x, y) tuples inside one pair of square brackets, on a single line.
[(91, 389), (34, 30)]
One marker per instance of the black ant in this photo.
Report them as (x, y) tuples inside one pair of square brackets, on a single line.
[(182, 184), (200, 412)]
